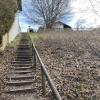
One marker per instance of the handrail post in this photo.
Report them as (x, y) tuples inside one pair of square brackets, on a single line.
[(34, 54), (43, 83), (32, 49)]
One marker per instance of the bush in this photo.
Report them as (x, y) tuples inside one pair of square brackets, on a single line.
[(7, 12)]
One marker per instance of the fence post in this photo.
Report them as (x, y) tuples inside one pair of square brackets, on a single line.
[(43, 83), (34, 54)]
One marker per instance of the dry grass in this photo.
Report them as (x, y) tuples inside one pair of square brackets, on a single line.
[(73, 60)]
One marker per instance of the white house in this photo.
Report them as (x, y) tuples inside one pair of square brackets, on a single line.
[(60, 25)]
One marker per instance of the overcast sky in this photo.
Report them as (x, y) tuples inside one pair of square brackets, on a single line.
[(81, 9)]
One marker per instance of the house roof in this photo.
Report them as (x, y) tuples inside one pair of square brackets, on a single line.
[(63, 23)]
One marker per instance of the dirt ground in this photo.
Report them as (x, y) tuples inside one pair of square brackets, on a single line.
[(73, 61), (5, 58)]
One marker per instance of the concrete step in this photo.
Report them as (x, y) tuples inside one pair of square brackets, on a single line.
[(23, 48), (21, 77), (20, 90), (21, 62), (21, 51), (24, 40), (22, 72), (23, 45), (22, 68), (19, 83), (23, 54), (22, 59)]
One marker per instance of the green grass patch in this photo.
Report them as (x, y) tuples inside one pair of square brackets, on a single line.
[(34, 36)]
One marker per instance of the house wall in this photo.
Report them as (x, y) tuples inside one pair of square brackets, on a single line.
[(13, 32), (58, 26), (15, 29)]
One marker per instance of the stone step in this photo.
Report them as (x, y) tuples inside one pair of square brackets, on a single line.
[(23, 48), (24, 45), (21, 51), (22, 59), (21, 77), (24, 40), (21, 65), (21, 62), (22, 68), (19, 83), (25, 57), (22, 72), (23, 54), (21, 90)]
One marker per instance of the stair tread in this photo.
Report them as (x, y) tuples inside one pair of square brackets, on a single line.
[(19, 82), (20, 90), (22, 68), (23, 76), (21, 61), (22, 71), (21, 64)]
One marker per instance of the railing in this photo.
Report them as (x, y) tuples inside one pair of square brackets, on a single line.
[(45, 74)]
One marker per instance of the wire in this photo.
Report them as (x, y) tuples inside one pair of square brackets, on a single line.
[(86, 12), (97, 1), (96, 12)]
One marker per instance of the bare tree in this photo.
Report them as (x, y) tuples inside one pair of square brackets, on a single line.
[(47, 12)]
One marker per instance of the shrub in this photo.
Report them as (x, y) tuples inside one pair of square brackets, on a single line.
[(7, 12)]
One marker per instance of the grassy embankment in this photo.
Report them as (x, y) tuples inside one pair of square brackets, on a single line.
[(73, 60)]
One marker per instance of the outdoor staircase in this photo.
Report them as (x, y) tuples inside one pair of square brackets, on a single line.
[(21, 78)]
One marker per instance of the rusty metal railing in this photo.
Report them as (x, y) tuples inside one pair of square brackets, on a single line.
[(44, 73)]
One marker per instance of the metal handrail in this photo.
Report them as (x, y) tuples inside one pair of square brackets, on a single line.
[(45, 74)]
